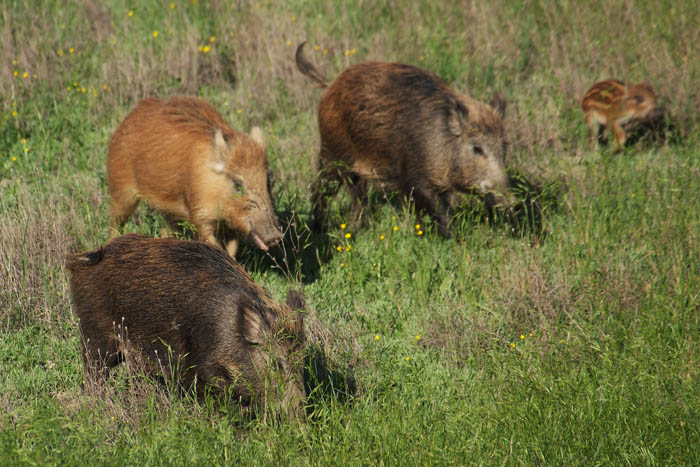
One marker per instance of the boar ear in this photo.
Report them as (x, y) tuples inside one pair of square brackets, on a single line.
[(295, 300), (220, 148), (499, 104), (251, 326), (457, 115), (257, 134)]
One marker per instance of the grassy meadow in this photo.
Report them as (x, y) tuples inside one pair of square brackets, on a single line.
[(571, 340)]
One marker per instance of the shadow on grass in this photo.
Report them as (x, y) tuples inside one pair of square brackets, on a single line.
[(527, 218), (298, 256), (324, 382), (301, 253)]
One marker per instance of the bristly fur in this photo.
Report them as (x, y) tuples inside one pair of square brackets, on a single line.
[(188, 300), (403, 128), (182, 159)]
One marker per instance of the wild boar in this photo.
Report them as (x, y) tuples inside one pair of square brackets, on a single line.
[(404, 129), (189, 306), (182, 159), (619, 107)]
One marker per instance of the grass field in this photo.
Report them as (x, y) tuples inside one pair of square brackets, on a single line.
[(574, 341)]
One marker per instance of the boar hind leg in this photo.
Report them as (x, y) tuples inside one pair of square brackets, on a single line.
[(326, 186), (98, 360), (122, 206)]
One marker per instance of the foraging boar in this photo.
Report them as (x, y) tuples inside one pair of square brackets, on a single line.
[(615, 105), (402, 128), (143, 299), (182, 159)]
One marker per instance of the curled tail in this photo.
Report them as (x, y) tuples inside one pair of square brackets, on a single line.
[(309, 69), (81, 260)]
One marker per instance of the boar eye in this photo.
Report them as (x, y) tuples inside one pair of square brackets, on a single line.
[(238, 186), (478, 150)]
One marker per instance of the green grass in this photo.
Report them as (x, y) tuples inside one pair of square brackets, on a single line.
[(570, 341)]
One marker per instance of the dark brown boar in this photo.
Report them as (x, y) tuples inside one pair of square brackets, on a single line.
[(188, 306), (182, 159), (402, 128)]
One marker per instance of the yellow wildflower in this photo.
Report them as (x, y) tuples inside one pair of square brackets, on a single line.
[(293, 18), (381, 237), (417, 337), (512, 345), (420, 232), (71, 50), (239, 111), (348, 248), (396, 227), (325, 51), (289, 43), (131, 13), (212, 39), (83, 90), (15, 72), (14, 113), (376, 338), (60, 52), (14, 159), (25, 75), (339, 248), (317, 47), (155, 33), (104, 87), (206, 49), (348, 235), (342, 265), (522, 336), (417, 226), (172, 6)]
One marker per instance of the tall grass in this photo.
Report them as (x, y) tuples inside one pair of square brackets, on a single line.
[(572, 340)]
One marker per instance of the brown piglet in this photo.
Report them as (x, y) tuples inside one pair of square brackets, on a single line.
[(404, 129), (190, 311), (614, 105), (180, 157)]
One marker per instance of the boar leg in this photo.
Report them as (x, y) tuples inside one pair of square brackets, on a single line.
[(121, 208), (619, 133), (326, 186), (427, 200), (97, 360), (206, 232), (360, 201), (232, 247)]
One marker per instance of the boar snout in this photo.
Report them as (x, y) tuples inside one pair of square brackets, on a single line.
[(268, 240), (265, 232)]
